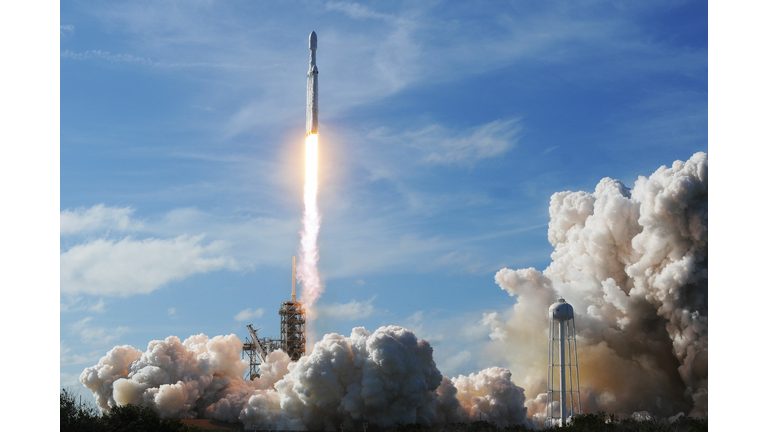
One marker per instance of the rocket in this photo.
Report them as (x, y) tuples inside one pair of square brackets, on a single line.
[(312, 86)]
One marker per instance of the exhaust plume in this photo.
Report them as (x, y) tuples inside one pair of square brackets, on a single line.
[(633, 263), (383, 378), (307, 269)]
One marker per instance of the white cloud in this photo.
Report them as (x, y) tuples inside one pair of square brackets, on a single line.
[(249, 314), (356, 10), (76, 304), (106, 55), (63, 29), (253, 240), (98, 335), (127, 267), (350, 311), (171, 312), (70, 381), (67, 359), (98, 217)]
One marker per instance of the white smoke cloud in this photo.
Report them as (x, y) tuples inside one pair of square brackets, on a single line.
[(493, 320), (121, 268), (633, 263), (489, 395), (381, 378)]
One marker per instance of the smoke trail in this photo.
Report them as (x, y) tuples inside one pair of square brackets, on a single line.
[(383, 378), (633, 263), (307, 269)]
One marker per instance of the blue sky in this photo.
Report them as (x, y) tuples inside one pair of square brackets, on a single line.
[(444, 129)]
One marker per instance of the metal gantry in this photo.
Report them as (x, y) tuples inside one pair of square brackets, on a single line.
[(563, 365), (256, 349), (293, 329), (293, 322)]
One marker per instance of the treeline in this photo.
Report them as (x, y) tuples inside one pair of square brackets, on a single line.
[(80, 417)]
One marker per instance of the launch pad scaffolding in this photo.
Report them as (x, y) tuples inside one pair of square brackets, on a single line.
[(292, 329), (293, 321)]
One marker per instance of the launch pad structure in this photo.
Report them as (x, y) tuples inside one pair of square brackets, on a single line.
[(293, 322)]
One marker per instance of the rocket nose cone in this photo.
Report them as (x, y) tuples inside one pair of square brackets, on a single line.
[(313, 40)]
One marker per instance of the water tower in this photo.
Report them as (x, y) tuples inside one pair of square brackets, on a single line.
[(563, 366)]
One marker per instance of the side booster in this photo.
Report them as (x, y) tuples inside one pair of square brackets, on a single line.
[(312, 86)]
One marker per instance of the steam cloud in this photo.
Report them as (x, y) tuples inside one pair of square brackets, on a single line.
[(633, 263), (381, 378)]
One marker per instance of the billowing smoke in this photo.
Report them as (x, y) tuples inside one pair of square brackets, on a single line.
[(633, 263), (383, 378)]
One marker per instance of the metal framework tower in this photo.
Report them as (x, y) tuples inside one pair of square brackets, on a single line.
[(293, 321), (292, 329), (560, 376), (256, 349)]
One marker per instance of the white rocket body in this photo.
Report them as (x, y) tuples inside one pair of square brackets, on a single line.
[(312, 86)]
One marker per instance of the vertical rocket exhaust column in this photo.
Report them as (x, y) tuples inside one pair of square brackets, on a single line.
[(312, 86)]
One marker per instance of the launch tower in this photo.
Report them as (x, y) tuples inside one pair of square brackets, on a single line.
[(563, 364), (293, 321)]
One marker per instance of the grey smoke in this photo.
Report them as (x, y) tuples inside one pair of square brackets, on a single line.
[(633, 263)]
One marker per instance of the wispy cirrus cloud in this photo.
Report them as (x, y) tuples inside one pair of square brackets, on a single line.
[(441, 145)]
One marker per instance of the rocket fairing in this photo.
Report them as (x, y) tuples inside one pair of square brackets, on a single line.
[(312, 86)]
